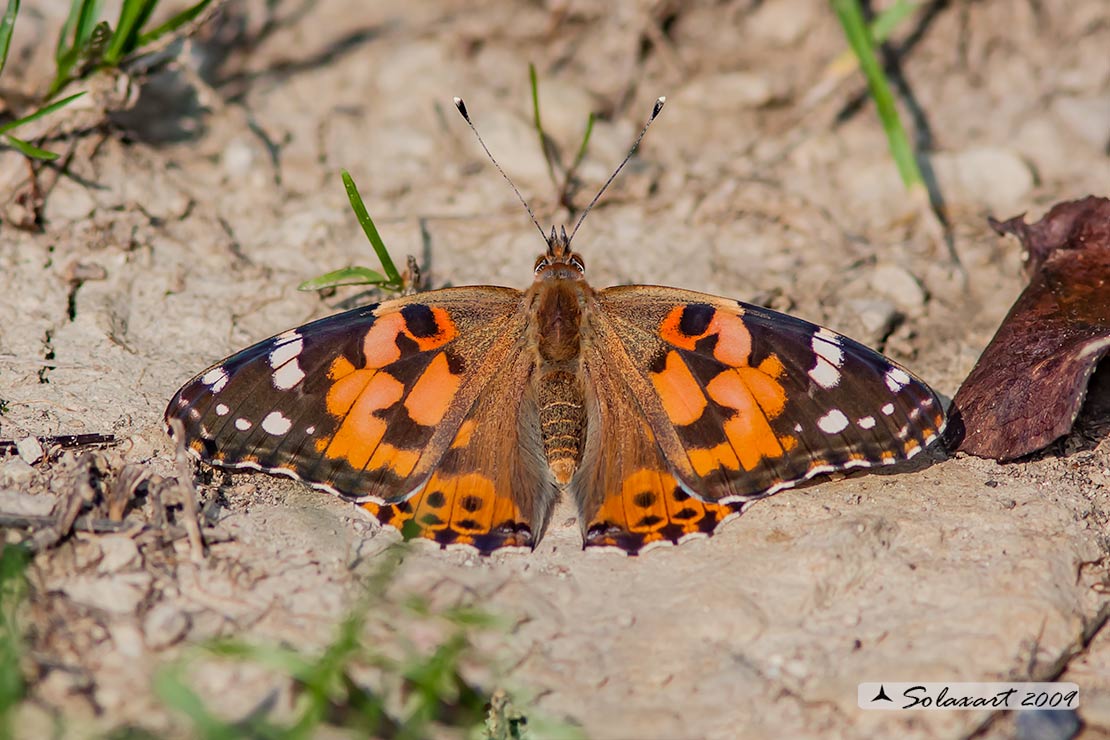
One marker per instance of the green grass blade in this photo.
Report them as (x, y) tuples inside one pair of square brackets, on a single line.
[(63, 47), (346, 276), (370, 230), (82, 21), (132, 16), (172, 24), (7, 25), (534, 83), (28, 149), (863, 45), (173, 691), (44, 111), (86, 22), (889, 19), (13, 590), (585, 142), (282, 659)]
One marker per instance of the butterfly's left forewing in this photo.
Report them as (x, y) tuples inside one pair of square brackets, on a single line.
[(745, 401), (363, 404)]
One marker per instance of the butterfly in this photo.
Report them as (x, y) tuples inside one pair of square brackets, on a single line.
[(461, 415)]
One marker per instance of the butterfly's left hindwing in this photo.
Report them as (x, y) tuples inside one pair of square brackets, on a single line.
[(745, 401), (364, 403)]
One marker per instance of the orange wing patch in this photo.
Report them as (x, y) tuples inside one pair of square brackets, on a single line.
[(686, 325), (357, 396), (354, 398), (652, 508), (463, 509), (678, 389), (754, 395), (429, 399), (428, 327)]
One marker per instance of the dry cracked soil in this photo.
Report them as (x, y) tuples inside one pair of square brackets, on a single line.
[(179, 233)]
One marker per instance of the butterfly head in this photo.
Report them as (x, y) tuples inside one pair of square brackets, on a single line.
[(559, 262)]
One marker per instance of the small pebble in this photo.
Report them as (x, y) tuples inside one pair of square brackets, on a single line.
[(900, 287), (730, 91), (117, 552), (995, 177), (782, 22), (16, 473), (118, 594), (24, 504), (164, 625), (30, 450)]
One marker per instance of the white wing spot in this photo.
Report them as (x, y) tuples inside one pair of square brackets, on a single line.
[(825, 375), (215, 379), (830, 357), (896, 379), (827, 345), (888, 409), (222, 409), (286, 352), (867, 422), (797, 427), (243, 424), (287, 376), (310, 430), (276, 424), (833, 422)]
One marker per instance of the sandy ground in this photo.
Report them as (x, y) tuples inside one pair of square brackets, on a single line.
[(193, 223)]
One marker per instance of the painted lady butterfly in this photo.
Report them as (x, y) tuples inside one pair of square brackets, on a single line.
[(460, 415)]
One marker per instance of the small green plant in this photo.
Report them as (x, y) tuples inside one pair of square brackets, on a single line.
[(85, 45), (13, 591), (418, 693), (864, 39), (390, 281), (7, 27), (550, 151)]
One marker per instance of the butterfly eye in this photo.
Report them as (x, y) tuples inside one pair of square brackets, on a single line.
[(541, 263), (577, 261)]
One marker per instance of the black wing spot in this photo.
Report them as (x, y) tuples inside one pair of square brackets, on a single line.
[(695, 319), (436, 499), (431, 520), (471, 503), (649, 521), (210, 447), (686, 513), (470, 525), (419, 320), (644, 499), (679, 495)]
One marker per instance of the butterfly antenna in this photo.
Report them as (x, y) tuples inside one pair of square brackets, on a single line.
[(654, 112), (466, 117)]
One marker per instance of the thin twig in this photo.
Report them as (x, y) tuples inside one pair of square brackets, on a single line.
[(82, 493), (65, 441), (188, 493)]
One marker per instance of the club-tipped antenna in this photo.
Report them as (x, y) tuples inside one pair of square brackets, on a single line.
[(466, 117), (654, 112)]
